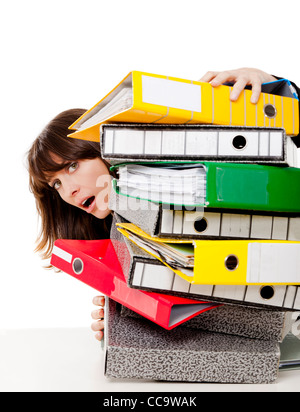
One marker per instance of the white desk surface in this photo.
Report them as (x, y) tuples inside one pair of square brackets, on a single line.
[(71, 360)]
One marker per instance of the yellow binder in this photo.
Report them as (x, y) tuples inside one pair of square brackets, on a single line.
[(233, 262), (150, 98)]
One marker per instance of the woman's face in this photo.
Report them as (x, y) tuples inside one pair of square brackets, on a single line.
[(84, 184)]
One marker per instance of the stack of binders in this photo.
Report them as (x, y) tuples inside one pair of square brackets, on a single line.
[(206, 229)]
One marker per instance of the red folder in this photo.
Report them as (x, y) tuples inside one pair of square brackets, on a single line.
[(95, 263)]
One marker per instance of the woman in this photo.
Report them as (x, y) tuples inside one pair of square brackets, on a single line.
[(70, 181)]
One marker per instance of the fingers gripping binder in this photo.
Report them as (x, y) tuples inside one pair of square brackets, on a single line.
[(95, 263)]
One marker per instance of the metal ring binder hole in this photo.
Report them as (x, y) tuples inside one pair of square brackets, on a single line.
[(77, 266), (231, 263), (267, 292), (270, 111), (239, 142), (200, 225)]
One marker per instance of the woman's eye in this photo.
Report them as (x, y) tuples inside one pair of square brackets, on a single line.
[(56, 185), (73, 166)]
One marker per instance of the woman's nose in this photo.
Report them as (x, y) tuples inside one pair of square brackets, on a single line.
[(74, 192), (71, 188)]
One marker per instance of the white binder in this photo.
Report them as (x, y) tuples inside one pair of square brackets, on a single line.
[(140, 142), (144, 272), (204, 224), (156, 220), (158, 278)]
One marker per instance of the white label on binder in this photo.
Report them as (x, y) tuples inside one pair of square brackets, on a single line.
[(173, 142), (153, 142), (261, 227), (276, 146), (180, 285), (226, 147), (264, 144), (109, 141), (297, 300), (206, 290), (167, 221), (273, 263), (294, 229), (202, 143), (154, 276), (57, 251), (138, 274), (290, 296), (235, 225), (128, 141), (253, 294), (280, 228), (171, 93), (230, 292)]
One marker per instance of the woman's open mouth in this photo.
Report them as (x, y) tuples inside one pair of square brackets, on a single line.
[(89, 204)]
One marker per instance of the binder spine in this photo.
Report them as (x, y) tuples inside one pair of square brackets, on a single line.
[(199, 224), (151, 276), (170, 142)]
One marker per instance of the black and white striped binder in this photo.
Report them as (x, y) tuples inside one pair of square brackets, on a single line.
[(147, 142), (144, 272), (162, 221)]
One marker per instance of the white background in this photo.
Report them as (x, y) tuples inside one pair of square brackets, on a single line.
[(56, 55)]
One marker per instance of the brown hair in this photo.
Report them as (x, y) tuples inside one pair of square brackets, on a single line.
[(58, 218)]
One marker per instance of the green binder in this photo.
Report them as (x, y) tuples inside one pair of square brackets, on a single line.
[(243, 187), (253, 187)]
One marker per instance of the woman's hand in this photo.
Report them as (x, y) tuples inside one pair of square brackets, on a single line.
[(241, 78), (98, 315)]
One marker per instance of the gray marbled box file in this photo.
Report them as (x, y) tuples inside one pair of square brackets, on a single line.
[(270, 325), (137, 349)]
